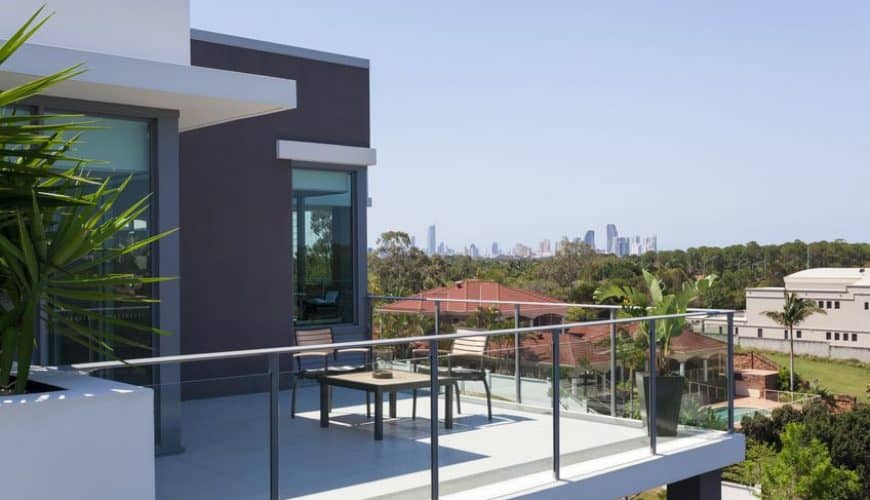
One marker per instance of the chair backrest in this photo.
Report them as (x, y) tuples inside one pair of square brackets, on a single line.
[(331, 296), (469, 346), (314, 337)]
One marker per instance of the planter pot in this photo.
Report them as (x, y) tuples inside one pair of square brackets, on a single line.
[(84, 438), (669, 395)]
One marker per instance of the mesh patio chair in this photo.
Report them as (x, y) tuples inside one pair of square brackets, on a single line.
[(319, 364), (464, 363)]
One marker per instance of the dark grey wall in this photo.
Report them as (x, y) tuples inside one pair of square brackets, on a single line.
[(235, 209)]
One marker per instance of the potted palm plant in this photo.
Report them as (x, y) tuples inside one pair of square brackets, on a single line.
[(654, 301)]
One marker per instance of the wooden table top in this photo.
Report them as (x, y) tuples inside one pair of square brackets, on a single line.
[(399, 378)]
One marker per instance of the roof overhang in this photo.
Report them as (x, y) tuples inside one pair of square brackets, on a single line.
[(317, 152), (202, 96)]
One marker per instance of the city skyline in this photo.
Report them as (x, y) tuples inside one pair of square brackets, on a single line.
[(618, 245)]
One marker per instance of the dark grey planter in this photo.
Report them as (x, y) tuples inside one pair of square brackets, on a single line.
[(669, 396)]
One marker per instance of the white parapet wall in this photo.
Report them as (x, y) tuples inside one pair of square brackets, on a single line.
[(93, 440)]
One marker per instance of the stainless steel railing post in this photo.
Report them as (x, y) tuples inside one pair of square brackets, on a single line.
[(274, 388), (612, 364), (556, 393), (433, 413), (729, 371), (518, 382), (651, 400)]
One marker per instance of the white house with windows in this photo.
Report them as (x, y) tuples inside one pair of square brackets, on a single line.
[(842, 332)]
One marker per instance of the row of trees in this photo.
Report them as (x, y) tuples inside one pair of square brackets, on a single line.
[(576, 271)]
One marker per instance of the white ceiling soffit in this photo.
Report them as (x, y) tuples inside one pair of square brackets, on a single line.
[(203, 96), (326, 153)]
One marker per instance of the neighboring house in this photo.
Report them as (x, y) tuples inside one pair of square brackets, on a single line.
[(586, 347), (843, 332), (453, 307), (257, 151)]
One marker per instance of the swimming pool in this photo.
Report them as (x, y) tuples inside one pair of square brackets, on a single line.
[(739, 412)]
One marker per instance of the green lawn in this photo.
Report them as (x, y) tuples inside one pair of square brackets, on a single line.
[(840, 377)]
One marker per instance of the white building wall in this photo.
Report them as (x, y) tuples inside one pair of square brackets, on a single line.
[(158, 30)]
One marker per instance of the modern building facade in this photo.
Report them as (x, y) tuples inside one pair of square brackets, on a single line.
[(257, 151), (842, 332)]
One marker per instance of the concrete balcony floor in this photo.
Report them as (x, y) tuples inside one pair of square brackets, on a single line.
[(226, 449)]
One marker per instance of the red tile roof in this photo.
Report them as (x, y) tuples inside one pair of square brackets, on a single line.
[(589, 346), (473, 289), (689, 342)]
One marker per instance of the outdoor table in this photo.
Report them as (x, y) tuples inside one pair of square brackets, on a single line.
[(364, 381)]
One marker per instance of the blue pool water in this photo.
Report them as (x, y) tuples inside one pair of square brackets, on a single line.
[(722, 413)]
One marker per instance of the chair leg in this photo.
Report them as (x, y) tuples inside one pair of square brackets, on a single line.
[(330, 398), (488, 399), (368, 405), (414, 405), (458, 405), (293, 398)]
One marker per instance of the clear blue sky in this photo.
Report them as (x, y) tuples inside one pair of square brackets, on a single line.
[(702, 122)]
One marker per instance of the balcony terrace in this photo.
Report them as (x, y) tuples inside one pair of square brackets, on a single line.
[(589, 441)]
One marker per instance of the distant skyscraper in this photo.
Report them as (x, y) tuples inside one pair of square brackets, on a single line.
[(622, 246), (494, 251), (635, 246), (612, 235), (442, 248), (589, 239), (650, 244), (473, 251), (523, 251), (545, 248), (430, 240)]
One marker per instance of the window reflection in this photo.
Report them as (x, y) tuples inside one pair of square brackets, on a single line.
[(323, 246)]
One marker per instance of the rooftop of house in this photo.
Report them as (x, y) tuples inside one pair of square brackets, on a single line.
[(475, 289), (827, 276)]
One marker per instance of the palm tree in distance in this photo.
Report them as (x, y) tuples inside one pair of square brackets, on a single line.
[(793, 313)]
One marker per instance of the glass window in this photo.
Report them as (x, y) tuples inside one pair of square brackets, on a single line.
[(836, 335), (828, 335), (122, 148), (785, 334), (837, 304), (828, 305), (821, 304), (798, 334), (854, 337), (760, 333), (866, 306), (323, 248)]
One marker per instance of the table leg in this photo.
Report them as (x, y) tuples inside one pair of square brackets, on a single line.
[(379, 415), (324, 404), (392, 404), (448, 406)]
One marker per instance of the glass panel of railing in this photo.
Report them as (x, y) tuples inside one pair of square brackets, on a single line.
[(494, 439), (704, 403), (341, 443), (212, 433), (599, 413)]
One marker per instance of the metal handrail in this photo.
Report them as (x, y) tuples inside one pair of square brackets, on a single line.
[(244, 353), (529, 303)]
